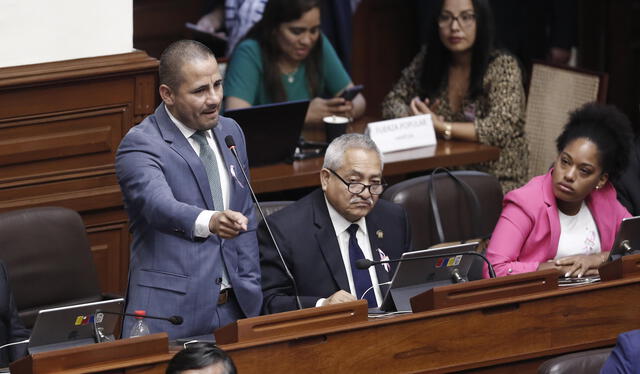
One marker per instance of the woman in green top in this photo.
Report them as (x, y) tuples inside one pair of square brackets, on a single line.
[(285, 57)]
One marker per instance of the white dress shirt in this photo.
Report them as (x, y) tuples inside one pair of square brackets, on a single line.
[(578, 234), (201, 226), (340, 225)]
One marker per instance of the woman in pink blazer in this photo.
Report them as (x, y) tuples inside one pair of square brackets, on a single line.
[(567, 219)]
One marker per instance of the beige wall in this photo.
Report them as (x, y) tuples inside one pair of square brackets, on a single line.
[(35, 31)]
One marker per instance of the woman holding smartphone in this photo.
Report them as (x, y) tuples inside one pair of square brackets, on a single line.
[(285, 57), (473, 91)]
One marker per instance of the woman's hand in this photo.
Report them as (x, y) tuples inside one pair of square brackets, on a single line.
[(580, 265), (419, 107), (320, 108)]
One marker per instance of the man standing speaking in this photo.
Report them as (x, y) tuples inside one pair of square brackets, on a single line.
[(194, 251)]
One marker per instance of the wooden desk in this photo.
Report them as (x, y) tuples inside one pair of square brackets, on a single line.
[(305, 173), (144, 355), (508, 335), (498, 336)]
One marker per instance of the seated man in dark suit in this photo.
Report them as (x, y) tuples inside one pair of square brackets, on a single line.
[(11, 327), (324, 233)]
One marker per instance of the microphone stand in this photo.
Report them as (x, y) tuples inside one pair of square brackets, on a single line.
[(365, 263), (176, 320), (232, 146), (98, 331)]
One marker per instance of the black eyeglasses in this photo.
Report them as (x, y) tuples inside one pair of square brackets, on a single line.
[(465, 19), (358, 188)]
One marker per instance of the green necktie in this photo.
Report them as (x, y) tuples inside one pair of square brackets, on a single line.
[(208, 158)]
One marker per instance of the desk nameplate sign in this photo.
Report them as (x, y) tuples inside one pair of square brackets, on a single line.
[(402, 133)]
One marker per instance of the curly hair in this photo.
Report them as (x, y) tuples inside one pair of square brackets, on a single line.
[(606, 127)]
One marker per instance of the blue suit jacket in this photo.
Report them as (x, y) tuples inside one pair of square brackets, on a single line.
[(11, 327), (306, 236), (165, 188), (625, 357)]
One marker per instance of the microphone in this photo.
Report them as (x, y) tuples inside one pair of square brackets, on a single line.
[(98, 331), (176, 320), (456, 277), (626, 245), (231, 144), (623, 249), (364, 263)]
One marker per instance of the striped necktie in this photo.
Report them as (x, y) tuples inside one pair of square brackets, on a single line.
[(210, 163)]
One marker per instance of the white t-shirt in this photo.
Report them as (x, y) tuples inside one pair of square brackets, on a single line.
[(578, 234)]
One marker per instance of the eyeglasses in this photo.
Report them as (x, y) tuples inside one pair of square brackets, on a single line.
[(358, 188), (465, 19)]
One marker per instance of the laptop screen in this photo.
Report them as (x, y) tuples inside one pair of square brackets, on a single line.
[(73, 325), (415, 274), (627, 238), (271, 131)]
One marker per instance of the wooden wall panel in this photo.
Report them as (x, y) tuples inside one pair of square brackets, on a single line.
[(385, 40), (158, 23), (109, 249), (60, 127), (609, 41), (61, 142)]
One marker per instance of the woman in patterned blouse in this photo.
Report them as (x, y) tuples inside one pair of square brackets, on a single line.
[(473, 92)]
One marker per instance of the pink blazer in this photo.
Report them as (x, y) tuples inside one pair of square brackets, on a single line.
[(528, 230)]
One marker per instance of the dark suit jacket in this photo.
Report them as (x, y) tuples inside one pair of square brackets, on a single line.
[(628, 186), (625, 357), (11, 327), (165, 188), (310, 247)]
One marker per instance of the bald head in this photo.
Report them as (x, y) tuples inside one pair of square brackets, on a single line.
[(174, 58)]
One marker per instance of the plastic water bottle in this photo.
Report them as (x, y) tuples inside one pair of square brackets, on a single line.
[(139, 328)]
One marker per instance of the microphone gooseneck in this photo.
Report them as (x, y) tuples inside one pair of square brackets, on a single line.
[(98, 331), (231, 144), (176, 320), (365, 263)]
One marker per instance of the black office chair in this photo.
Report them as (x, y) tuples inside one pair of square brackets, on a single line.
[(270, 207), (586, 362), (47, 254), (456, 208)]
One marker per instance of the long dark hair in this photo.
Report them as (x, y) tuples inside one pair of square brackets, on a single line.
[(438, 57), (277, 12)]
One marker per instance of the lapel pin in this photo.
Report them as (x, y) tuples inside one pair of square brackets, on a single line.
[(384, 257), (380, 234)]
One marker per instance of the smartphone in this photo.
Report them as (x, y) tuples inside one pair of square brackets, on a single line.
[(351, 92)]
